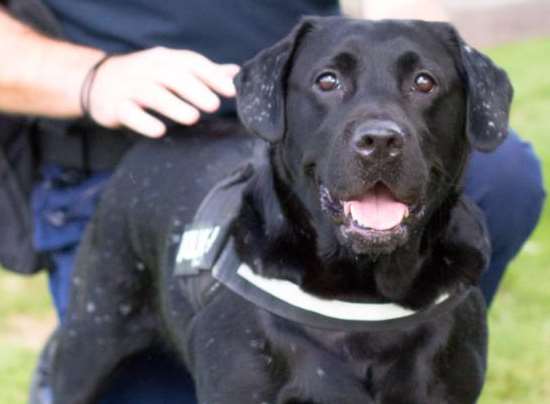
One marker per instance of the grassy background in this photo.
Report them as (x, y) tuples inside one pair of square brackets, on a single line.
[(519, 359), (519, 362)]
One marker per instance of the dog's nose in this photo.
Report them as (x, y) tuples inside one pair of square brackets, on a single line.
[(378, 139)]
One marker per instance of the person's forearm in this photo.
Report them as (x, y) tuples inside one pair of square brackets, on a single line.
[(433, 10), (43, 76), (39, 75)]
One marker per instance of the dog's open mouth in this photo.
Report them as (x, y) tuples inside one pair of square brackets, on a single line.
[(374, 222), (378, 209)]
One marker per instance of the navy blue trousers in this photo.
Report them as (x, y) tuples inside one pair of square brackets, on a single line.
[(506, 184)]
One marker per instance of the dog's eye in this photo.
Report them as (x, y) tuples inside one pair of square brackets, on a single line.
[(424, 83), (328, 82)]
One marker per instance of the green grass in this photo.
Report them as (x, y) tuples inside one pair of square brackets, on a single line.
[(16, 364), (26, 318), (519, 358), (519, 362)]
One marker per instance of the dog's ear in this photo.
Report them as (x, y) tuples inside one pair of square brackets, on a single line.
[(488, 90), (466, 246), (489, 93), (261, 86)]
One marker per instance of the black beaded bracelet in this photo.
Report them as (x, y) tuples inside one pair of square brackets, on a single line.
[(87, 84)]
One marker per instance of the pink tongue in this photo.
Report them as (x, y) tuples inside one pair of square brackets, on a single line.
[(377, 210)]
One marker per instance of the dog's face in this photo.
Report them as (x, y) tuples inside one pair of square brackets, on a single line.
[(372, 122)]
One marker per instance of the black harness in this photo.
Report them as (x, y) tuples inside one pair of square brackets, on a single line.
[(206, 258)]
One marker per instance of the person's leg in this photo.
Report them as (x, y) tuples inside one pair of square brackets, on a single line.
[(62, 208), (507, 185), (63, 203), (152, 377)]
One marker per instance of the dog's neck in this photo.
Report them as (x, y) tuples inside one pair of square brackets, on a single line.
[(287, 247)]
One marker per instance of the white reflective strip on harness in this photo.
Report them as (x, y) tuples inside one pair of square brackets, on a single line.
[(196, 242), (292, 294)]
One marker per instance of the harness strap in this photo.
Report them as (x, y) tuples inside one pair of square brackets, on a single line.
[(287, 300), (205, 237), (206, 258)]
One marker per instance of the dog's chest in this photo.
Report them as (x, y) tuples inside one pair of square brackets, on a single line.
[(364, 354)]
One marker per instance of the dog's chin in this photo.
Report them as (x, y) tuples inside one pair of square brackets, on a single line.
[(373, 224), (372, 242)]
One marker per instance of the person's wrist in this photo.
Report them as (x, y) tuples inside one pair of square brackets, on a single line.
[(87, 86), (66, 67)]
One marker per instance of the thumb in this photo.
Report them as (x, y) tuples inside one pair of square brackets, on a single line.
[(230, 69)]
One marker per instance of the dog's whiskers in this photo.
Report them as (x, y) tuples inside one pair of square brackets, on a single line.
[(328, 204)]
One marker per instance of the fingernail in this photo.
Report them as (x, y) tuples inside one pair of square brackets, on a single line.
[(229, 88), (157, 131), (191, 118), (214, 104), (232, 69)]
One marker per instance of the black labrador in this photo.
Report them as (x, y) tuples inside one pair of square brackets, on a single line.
[(359, 253)]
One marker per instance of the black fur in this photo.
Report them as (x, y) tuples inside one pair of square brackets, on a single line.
[(126, 299)]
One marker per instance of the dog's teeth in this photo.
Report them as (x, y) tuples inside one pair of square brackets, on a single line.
[(347, 211), (406, 215)]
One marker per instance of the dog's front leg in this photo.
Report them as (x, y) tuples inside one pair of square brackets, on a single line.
[(412, 380), (316, 376), (92, 342), (229, 355), (108, 320), (82, 364)]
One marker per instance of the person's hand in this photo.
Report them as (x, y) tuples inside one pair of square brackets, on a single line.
[(178, 84)]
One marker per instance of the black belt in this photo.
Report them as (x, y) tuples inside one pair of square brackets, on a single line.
[(86, 146), (81, 145)]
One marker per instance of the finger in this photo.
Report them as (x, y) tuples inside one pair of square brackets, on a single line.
[(165, 103), (217, 77), (193, 90), (132, 116), (231, 69)]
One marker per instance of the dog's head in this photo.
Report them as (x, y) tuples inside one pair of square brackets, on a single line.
[(371, 123)]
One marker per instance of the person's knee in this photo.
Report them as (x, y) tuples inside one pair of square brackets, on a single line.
[(507, 185)]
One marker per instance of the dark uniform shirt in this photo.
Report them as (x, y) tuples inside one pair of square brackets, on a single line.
[(227, 31)]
